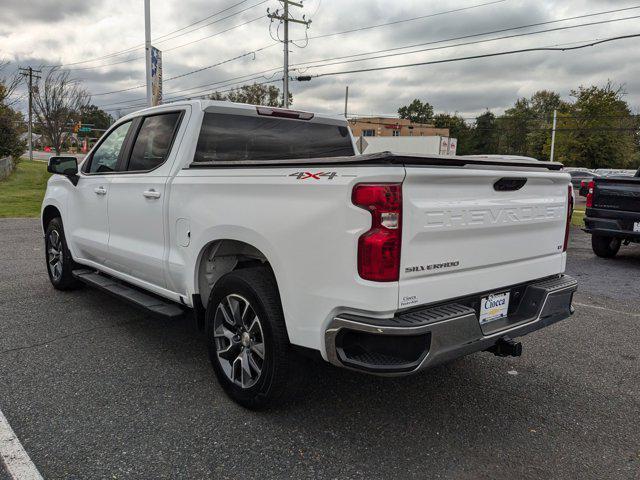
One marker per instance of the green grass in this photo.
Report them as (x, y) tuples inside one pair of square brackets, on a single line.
[(578, 218), (21, 193)]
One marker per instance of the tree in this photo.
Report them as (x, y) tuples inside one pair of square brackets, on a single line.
[(417, 112), (57, 104), (542, 104), (514, 128), (8, 86), (256, 94), (525, 128), (485, 136), (458, 129), (11, 121), (598, 130), (95, 116)]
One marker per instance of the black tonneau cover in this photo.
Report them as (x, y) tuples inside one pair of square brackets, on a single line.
[(391, 159)]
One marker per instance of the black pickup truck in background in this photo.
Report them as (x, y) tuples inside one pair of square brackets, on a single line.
[(613, 213)]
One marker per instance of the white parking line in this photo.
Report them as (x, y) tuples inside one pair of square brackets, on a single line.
[(597, 307), (13, 455)]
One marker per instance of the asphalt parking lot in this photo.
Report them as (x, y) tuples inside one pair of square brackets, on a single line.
[(96, 389)]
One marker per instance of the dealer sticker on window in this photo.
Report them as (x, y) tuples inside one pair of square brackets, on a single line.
[(636, 226), (494, 307)]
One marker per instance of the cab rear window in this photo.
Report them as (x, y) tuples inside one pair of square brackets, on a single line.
[(225, 138)]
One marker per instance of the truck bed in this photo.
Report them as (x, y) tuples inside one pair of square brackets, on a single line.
[(394, 159)]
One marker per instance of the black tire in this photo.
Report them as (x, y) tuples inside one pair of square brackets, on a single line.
[(60, 274), (605, 247), (271, 380)]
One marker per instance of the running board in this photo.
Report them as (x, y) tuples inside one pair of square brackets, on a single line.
[(145, 301)]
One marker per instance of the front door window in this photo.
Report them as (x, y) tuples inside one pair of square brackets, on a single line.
[(105, 158)]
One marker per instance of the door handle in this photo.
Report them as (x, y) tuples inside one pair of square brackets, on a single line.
[(151, 193), (100, 190)]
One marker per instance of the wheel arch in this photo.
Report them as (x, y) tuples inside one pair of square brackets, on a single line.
[(219, 257), (49, 213)]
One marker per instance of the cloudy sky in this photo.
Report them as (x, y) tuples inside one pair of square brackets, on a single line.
[(89, 38)]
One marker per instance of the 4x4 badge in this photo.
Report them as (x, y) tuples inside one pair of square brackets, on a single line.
[(314, 176)]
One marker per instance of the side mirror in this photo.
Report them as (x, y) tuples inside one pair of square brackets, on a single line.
[(67, 166)]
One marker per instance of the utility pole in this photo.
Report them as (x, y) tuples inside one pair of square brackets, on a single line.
[(285, 18), (30, 73), (147, 47), (553, 134), (346, 101)]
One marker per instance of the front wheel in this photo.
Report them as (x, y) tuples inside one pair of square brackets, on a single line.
[(60, 265), (605, 247), (247, 338)]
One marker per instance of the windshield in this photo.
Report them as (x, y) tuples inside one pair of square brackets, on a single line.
[(240, 137)]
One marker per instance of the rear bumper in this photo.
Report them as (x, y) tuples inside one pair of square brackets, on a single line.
[(612, 223), (418, 339)]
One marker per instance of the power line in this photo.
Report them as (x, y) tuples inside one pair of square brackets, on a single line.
[(132, 49), (236, 80), (214, 22), (269, 46), (471, 43), (358, 116), (396, 22), (194, 95), (138, 47), (215, 34), (239, 79), (253, 52), (417, 51), (203, 19), (464, 37), (174, 48), (473, 57)]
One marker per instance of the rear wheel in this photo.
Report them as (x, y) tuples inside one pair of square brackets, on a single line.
[(247, 338), (59, 262), (606, 247)]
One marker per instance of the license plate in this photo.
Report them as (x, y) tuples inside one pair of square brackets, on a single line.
[(636, 226), (494, 307)]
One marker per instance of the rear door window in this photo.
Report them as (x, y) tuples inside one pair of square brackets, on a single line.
[(240, 137), (153, 142)]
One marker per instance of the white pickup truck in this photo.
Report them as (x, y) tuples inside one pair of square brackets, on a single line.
[(267, 225)]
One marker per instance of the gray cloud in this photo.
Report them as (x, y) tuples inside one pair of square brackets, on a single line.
[(46, 11), (84, 30)]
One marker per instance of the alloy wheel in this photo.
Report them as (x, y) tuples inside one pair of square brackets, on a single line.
[(55, 256), (239, 340)]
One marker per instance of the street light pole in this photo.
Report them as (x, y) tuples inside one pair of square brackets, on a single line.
[(346, 102), (147, 47), (553, 134)]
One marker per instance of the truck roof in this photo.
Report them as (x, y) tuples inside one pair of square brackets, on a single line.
[(238, 108)]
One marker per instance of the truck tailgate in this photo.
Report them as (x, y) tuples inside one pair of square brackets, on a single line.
[(617, 194), (464, 233)]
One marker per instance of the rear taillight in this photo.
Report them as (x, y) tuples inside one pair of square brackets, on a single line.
[(569, 214), (379, 247), (591, 187)]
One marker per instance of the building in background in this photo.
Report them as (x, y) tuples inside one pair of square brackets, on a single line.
[(397, 135), (393, 127)]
